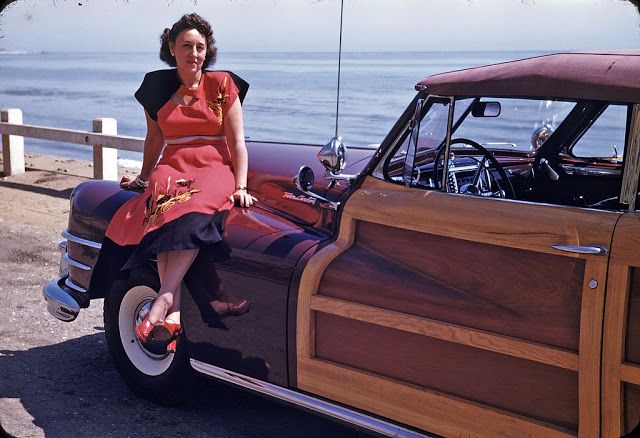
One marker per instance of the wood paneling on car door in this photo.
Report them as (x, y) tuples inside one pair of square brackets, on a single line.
[(621, 354), (454, 313), (445, 279)]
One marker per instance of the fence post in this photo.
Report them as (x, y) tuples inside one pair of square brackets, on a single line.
[(12, 145), (105, 160)]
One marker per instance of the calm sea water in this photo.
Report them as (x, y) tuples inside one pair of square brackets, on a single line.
[(292, 96)]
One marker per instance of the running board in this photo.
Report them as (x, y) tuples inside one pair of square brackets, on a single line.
[(306, 401)]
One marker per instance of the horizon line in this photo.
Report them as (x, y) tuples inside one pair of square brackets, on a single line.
[(37, 52)]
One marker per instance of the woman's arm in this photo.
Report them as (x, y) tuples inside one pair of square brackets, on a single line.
[(153, 143), (234, 131)]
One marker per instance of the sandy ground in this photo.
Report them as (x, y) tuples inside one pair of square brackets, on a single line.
[(57, 378)]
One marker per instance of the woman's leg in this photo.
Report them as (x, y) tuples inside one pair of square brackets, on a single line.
[(208, 291), (172, 266)]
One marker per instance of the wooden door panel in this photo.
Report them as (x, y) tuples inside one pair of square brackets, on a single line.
[(621, 350), (459, 298), (461, 282), (506, 382), (632, 342), (529, 226), (631, 402)]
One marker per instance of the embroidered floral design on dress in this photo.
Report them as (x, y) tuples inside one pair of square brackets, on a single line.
[(215, 105), (161, 201)]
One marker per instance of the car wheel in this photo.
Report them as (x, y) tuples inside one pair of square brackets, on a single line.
[(166, 378)]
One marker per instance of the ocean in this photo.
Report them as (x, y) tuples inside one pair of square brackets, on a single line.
[(292, 96)]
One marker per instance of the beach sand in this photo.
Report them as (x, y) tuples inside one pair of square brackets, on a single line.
[(42, 192), (38, 382), (33, 211)]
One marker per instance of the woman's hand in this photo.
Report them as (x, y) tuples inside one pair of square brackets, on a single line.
[(242, 198), (132, 184)]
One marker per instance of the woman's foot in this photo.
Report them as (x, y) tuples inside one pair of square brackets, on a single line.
[(163, 337), (175, 330), (165, 329), (143, 330), (157, 312), (228, 308)]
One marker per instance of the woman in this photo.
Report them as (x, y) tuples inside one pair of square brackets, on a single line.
[(202, 172)]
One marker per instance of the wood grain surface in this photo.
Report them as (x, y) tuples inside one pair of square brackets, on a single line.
[(530, 389), (421, 407), (447, 332), (514, 292), (620, 321), (464, 296)]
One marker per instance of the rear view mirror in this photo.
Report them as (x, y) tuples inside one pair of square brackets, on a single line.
[(486, 109)]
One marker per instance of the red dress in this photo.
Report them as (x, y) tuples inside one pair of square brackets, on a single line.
[(189, 189)]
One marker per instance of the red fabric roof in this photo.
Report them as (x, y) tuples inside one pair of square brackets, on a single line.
[(613, 76)]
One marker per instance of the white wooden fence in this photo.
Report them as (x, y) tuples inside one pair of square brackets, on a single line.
[(103, 139)]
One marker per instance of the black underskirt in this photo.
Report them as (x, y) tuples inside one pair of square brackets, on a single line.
[(190, 231)]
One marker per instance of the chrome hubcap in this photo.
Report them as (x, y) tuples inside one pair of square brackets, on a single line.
[(133, 308), (141, 311)]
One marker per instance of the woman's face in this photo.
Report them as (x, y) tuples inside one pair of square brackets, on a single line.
[(190, 49)]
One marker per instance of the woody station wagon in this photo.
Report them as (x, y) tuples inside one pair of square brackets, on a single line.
[(476, 275)]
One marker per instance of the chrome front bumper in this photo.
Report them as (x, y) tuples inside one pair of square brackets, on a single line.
[(64, 297), (60, 299)]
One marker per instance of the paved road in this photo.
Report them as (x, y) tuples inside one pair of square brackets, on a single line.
[(57, 379)]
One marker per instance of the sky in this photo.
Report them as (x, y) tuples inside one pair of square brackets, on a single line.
[(312, 25)]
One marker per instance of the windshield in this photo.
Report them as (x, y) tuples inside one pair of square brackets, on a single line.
[(522, 125), (512, 124)]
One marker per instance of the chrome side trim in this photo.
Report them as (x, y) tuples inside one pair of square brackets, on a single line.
[(71, 285), (75, 263), (306, 401), (75, 239)]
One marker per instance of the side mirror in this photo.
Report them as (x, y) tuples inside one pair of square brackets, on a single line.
[(333, 156), (304, 182), (486, 109), (304, 179)]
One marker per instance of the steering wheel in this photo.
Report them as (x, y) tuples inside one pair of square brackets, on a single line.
[(509, 192)]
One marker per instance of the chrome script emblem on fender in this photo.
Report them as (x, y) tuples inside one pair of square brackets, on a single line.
[(301, 198)]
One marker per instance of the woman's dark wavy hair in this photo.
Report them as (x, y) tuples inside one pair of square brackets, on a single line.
[(187, 22)]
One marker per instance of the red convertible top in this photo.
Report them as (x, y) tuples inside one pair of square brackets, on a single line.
[(612, 76)]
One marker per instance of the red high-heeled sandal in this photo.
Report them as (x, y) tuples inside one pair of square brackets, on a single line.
[(143, 330), (167, 332)]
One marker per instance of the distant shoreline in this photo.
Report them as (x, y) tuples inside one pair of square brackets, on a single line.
[(332, 53), (69, 166)]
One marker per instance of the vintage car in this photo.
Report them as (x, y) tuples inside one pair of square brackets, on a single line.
[(476, 275)]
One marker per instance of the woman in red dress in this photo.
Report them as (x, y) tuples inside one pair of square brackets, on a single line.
[(195, 115)]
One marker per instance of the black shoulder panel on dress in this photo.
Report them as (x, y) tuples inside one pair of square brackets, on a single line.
[(243, 86), (156, 89)]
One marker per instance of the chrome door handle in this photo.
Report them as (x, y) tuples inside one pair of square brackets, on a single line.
[(595, 249)]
